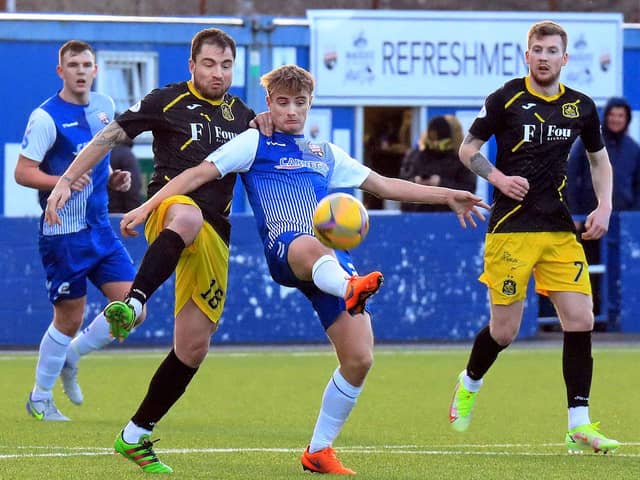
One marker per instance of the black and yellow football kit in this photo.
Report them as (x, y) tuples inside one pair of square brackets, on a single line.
[(534, 134), (186, 128)]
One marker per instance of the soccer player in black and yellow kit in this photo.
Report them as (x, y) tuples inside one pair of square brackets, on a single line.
[(188, 234), (535, 120)]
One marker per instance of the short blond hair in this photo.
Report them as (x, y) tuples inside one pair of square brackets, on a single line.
[(288, 78), (547, 28)]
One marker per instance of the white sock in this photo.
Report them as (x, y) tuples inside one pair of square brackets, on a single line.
[(471, 384), (329, 276), (337, 402), (92, 338), (51, 357), (578, 416), (132, 432)]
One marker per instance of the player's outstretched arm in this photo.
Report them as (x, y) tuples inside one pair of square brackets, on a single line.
[(186, 182), (464, 204), (89, 156)]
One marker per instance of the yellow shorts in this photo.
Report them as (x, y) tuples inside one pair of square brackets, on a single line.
[(201, 274), (556, 260)]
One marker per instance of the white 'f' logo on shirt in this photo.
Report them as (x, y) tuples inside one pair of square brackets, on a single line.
[(529, 131), (196, 131)]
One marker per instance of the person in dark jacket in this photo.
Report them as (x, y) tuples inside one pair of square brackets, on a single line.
[(624, 154), (123, 158), (435, 162)]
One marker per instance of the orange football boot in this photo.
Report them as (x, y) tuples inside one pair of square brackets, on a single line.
[(360, 289), (324, 461)]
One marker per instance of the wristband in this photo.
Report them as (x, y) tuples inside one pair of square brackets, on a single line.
[(64, 177)]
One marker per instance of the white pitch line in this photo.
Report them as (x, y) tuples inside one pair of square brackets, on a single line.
[(389, 449), (474, 445), (353, 447)]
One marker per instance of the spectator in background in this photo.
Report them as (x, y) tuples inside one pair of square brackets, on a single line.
[(624, 153), (435, 162), (385, 149), (123, 158)]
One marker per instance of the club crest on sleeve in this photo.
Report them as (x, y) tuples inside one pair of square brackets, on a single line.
[(104, 118), (316, 149)]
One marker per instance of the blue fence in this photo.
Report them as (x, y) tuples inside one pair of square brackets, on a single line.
[(624, 290), (430, 292)]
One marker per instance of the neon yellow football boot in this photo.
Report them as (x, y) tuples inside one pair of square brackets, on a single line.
[(461, 406), (588, 437)]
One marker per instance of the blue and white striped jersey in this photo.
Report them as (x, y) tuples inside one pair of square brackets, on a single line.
[(285, 176), (56, 132)]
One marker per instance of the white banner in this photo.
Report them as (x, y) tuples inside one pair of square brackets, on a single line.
[(428, 58), (19, 201)]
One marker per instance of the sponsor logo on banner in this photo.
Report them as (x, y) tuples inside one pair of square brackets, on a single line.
[(359, 61)]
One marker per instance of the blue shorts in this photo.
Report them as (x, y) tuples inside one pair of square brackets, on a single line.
[(327, 306), (93, 253)]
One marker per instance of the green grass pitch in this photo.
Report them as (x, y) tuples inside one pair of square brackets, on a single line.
[(249, 413)]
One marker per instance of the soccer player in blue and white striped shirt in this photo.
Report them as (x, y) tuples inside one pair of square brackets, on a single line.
[(83, 246), (285, 175)]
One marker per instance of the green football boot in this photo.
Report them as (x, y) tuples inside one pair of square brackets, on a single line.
[(141, 454), (461, 406), (588, 437), (121, 318)]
